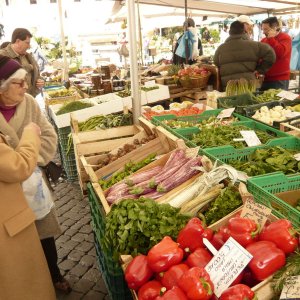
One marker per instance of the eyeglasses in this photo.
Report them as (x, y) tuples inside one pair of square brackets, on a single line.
[(21, 83)]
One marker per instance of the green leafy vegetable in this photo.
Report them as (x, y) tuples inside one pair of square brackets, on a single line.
[(72, 106), (229, 200), (134, 226)]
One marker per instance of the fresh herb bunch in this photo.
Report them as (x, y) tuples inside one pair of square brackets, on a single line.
[(263, 161), (134, 226), (229, 200), (224, 135), (291, 268), (106, 121), (72, 106), (129, 168)]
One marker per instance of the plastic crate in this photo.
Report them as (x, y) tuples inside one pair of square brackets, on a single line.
[(224, 154), (111, 270), (187, 133), (67, 155), (264, 187), (237, 101)]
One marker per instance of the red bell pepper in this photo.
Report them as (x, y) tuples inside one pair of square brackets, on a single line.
[(217, 240), (171, 277), (267, 259), (164, 255), (150, 290), (196, 284), (238, 292), (281, 233), (190, 237), (174, 294), (138, 272), (244, 231), (199, 258)]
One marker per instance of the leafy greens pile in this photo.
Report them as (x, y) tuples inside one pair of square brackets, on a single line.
[(134, 226), (263, 161)]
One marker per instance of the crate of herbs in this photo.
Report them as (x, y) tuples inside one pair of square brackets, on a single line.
[(214, 134), (279, 191), (260, 160), (172, 122)]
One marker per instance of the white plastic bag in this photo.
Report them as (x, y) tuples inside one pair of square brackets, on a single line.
[(37, 194)]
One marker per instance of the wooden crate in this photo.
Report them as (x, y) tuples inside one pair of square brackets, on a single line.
[(147, 125), (292, 128), (154, 146), (169, 138), (92, 144)]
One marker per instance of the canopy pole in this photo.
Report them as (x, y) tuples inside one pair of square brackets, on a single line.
[(65, 75), (140, 32), (185, 29), (135, 91)]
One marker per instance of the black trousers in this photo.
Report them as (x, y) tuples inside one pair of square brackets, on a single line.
[(50, 252)]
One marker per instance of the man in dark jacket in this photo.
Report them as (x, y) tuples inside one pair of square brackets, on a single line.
[(17, 50), (240, 57)]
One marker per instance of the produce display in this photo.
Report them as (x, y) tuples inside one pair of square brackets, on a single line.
[(175, 268), (267, 96), (271, 159), (158, 180), (133, 227), (192, 72), (229, 200), (295, 108), (240, 86), (127, 92), (127, 148), (63, 92), (225, 135), (268, 116), (106, 121), (73, 106), (128, 169), (210, 122), (181, 112)]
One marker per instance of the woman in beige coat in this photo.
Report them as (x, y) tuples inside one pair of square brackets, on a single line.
[(17, 109), (24, 274)]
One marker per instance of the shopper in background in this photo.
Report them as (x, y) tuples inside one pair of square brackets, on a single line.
[(279, 75), (17, 109), (224, 34), (17, 50), (24, 272), (240, 57), (194, 44), (248, 24)]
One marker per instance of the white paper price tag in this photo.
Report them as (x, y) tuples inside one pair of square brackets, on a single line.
[(150, 83), (297, 156), (227, 264), (291, 288), (256, 212), (250, 137), (287, 95), (226, 113)]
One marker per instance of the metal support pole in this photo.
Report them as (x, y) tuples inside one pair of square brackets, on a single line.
[(65, 76), (135, 90)]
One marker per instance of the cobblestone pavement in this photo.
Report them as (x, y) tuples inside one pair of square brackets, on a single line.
[(75, 246)]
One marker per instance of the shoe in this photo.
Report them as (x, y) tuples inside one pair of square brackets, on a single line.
[(63, 286)]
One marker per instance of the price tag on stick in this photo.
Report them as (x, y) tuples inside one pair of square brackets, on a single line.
[(291, 288), (287, 95), (250, 137), (226, 113), (227, 264)]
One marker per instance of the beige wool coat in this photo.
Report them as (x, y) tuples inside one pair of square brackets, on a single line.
[(24, 273), (28, 111)]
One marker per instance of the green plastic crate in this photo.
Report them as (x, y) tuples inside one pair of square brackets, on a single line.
[(187, 133), (237, 101), (224, 154), (264, 187), (67, 155), (111, 270)]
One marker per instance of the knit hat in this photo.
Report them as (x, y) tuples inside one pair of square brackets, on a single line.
[(8, 67), (245, 19)]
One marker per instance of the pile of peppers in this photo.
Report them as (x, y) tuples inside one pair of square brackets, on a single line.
[(175, 270)]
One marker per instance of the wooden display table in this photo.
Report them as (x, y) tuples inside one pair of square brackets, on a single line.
[(194, 95)]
